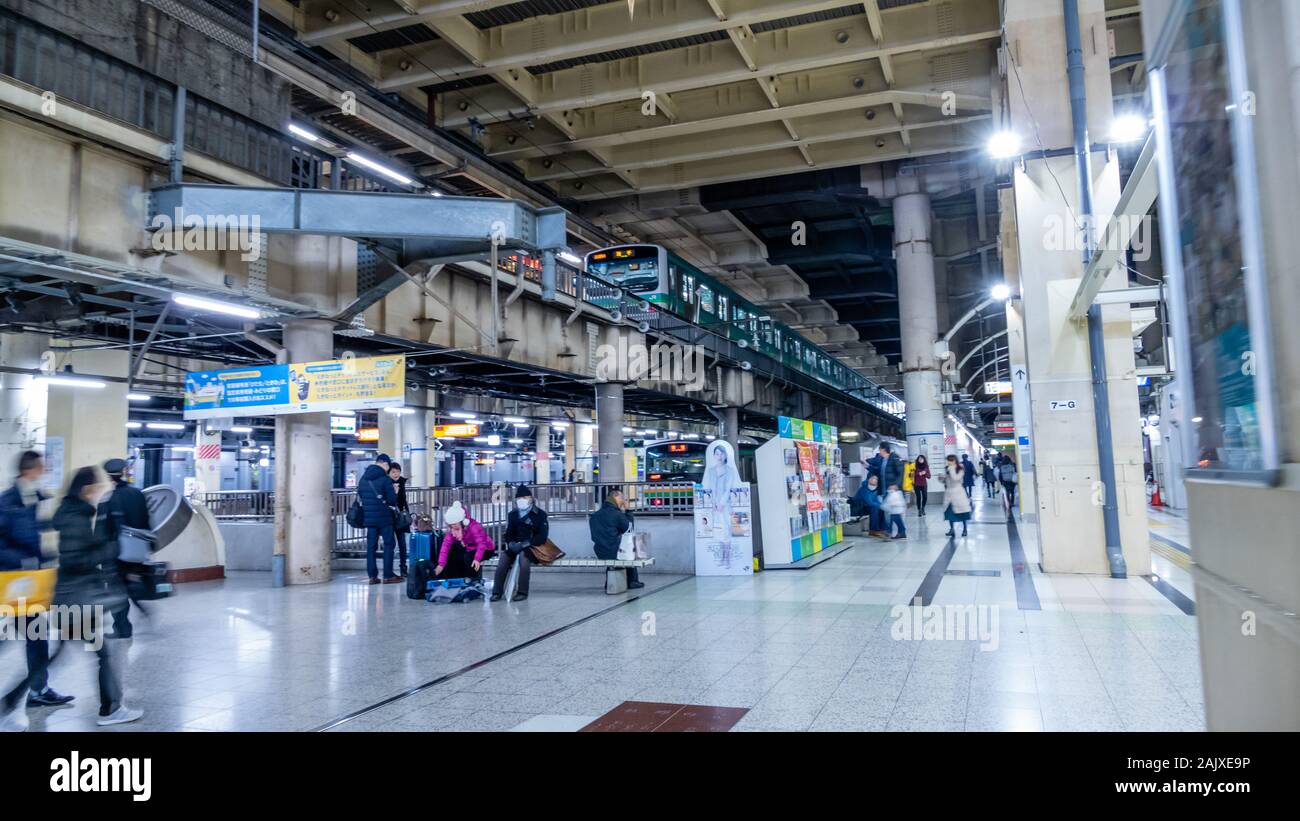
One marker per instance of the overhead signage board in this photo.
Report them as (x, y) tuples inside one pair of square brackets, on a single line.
[(454, 431), (344, 425), (997, 388), (368, 435), (305, 387)]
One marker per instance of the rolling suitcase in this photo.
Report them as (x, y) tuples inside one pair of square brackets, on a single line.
[(421, 546)]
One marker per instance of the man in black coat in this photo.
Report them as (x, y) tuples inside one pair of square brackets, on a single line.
[(125, 506), (20, 549), (891, 469), (378, 498), (526, 527), (608, 524)]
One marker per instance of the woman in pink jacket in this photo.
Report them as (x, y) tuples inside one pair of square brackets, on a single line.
[(464, 548)]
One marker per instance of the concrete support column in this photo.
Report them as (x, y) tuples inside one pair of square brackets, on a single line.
[(414, 450), (731, 427), (207, 459), (542, 464), (918, 315), (609, 417), (22, 402), (304, 441), (90, 425)]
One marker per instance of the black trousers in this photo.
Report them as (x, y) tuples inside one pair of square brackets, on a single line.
[(1010, 488), (505, 563), (922, 496), (460, 564)]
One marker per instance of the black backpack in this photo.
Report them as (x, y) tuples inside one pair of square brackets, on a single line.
[(418, 579)]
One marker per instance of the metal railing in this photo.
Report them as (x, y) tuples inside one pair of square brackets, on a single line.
[(487, 504)]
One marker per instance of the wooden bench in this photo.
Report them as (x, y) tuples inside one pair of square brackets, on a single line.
[(615, 578)]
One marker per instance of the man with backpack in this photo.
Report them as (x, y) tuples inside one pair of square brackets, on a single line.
[(378, 499)]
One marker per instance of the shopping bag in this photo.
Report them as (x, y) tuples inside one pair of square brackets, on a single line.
[(641, 545), (627, 547)]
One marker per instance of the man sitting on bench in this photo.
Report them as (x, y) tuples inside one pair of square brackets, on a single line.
[(608, 524), (526, 528)]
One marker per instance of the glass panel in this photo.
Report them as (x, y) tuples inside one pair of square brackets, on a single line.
[(1205, 169)]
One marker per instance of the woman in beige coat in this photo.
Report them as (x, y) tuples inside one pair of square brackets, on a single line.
[(958, 508)]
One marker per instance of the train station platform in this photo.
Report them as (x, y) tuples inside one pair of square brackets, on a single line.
[(840, 646)]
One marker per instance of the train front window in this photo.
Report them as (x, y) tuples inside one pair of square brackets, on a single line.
[(676, 460), (634, 267)]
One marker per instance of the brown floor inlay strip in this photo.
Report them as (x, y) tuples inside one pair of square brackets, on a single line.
[(656, 717)]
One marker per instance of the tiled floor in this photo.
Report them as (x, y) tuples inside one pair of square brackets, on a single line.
[(813, 649)]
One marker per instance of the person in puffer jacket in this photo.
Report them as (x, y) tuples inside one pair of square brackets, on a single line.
[(465, 547), (378, 498)]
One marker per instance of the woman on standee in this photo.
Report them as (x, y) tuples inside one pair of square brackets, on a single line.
[(958, 508), (921, 483)]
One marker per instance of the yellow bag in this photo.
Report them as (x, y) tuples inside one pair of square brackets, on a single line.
[(27, 590), (909, 471)]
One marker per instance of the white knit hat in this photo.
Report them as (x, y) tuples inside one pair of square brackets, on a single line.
[(454, 514)]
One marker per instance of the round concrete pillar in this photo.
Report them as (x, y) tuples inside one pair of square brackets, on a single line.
[(609, 418), (919, 325), (304, 440)]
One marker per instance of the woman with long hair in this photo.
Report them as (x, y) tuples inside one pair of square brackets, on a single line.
[(720, 478), (921, 483), (958, 508)]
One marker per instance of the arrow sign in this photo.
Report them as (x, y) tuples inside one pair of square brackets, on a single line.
[(1020, 373)]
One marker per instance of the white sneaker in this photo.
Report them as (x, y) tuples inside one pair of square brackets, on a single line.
[(16, 720), (122, 715)]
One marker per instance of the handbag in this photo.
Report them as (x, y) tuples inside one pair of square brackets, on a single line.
[(356, 516), (545, 553), (135, 545), (401, 520)]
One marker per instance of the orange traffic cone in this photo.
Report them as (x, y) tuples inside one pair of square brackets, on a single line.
[(1155, 497)]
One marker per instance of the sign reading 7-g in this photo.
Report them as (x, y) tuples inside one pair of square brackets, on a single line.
[(1063, 405)]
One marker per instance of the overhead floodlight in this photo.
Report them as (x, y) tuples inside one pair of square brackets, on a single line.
[(299, 131), (215, 307), (1001, 292), (1128, 128), (379, 169), (138, 397), (1003, 145)]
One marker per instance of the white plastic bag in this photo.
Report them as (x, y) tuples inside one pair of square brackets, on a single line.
[(894, 502), (641, 545), (627, 547)]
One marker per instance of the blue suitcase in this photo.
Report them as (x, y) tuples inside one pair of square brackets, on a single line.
[(421, 546)]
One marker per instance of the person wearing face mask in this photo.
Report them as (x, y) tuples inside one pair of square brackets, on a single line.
[(526, 527)]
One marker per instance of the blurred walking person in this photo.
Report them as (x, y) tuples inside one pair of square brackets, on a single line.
[(125, 506), (89, 578), (959, 504)]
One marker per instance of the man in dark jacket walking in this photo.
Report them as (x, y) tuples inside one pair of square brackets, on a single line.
[(968, 476), (20, 549), (125, 507), (608, 524), (378, 498), (526, 527), (891, 469)]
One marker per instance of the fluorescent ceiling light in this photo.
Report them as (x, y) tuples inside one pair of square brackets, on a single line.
[(216, 307), (138, 397), (461, 415), (299, 131), (183, 448), (567, 257), (482, 440), (358, 453), (515, 441), (521, 424), (377, 168), (1003, 145), (134, 425), (165, 426), (241, 429), (559, 424), (512, 419), (627, 430), (344, 413), (399, 411), (68, 381)]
